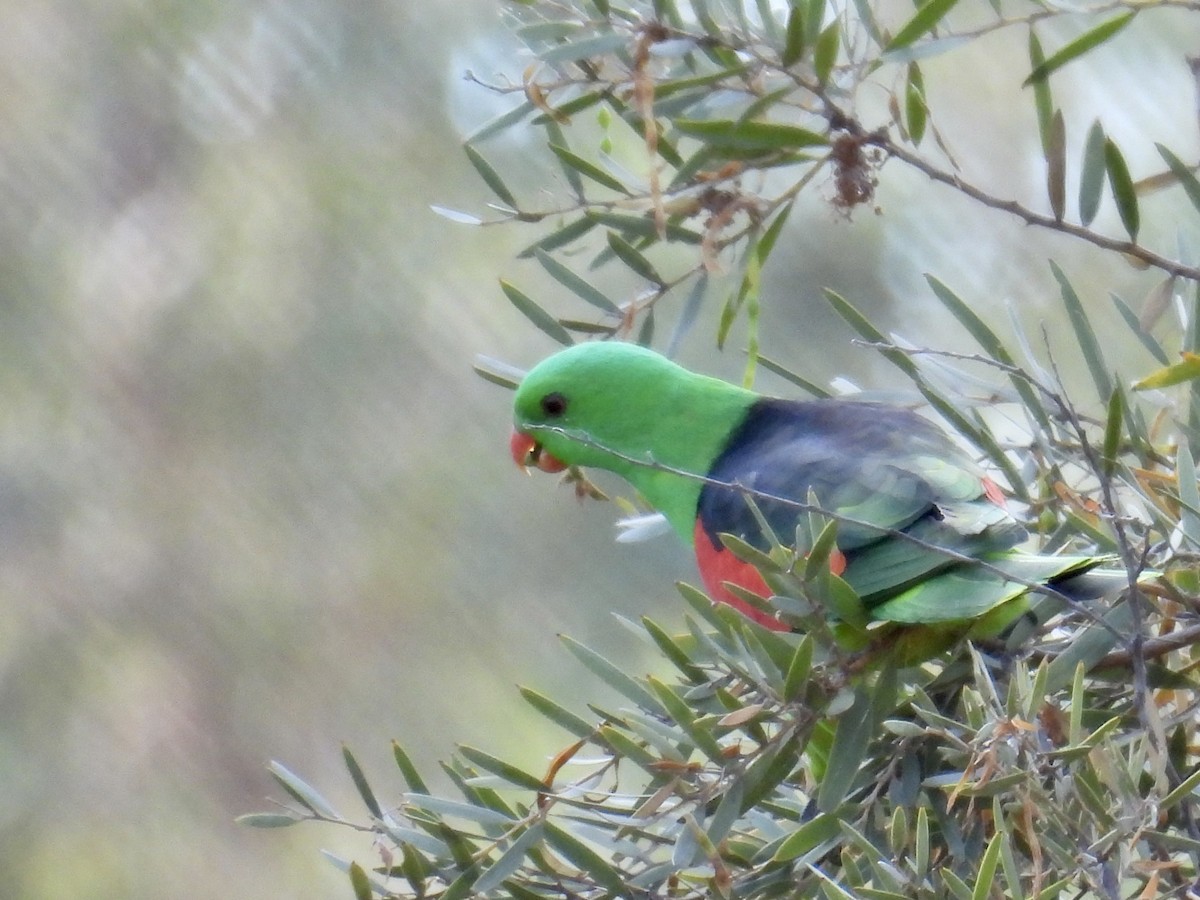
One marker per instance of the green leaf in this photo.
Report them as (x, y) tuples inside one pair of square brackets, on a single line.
[(611, 675), (267, 820), (1187, 369), (921, 854), (580, 854), (412, 778), (585, 48), (1056, 166), (301, 790), (535, 314), (991, 344), (490, 176), (564, 234), (626, 252), (502, 122), (1091, 179), (826, 52), (1189, 492), (459, 809), (360, 883), (1122, 188), (643, 227), (1112, 432), (1043, 102), (589, 170), (986, 875), (501, 769), (863, 326), (1184, 173), (361, 784), (799, 669), (626, 748), (821, 828), (674, 652), (576, 284), (560, 716), (852, 737), (1076, 48), (925, 20), (809, 387), (1181, 792), (750, 135), (1084, 334), (794, 45), (510, 860), (916, 110), (686, 720)]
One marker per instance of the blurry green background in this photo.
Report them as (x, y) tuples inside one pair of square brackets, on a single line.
[(253, 501)]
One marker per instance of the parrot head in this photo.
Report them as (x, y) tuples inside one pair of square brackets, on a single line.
[(583, 399)]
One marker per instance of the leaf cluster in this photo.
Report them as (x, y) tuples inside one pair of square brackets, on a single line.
[(1056, 757)]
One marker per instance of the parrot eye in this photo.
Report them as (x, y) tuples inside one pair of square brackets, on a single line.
[(554, 405)]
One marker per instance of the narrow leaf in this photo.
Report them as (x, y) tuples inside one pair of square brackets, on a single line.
[(850, 742), (1112, 432), (826, 52), (793, 47), (1042, 101), (1084, 334), (535, 314), (991, 344), (586, 48), (560, 716), (490, 176), (1056, 166), (500, 768), (750, 135), (564, 234), (1122, 188), (267, 820), (457, 808), (1091, 179), (674, 652), (626, 252), (612, 675), (416, 784), (678, 709), (916, 111), (863, 326), (1076, 48), (301, 790), (455, 215), (360, 883), (798, 670), (924, 21), (502, 122), (589, 170), (510, 860), (587, 859), (824, 827), (984, 879), (576, 284), (361, 784), (1184, 173), (1186, 370)]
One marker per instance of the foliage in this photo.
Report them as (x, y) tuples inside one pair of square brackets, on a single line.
[(1059, 759)]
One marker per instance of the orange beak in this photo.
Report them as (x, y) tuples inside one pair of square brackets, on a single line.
[(528, 452)]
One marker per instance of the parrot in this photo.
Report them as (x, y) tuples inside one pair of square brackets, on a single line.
[(914, 512)]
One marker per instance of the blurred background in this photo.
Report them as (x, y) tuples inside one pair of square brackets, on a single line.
[(253, 501)]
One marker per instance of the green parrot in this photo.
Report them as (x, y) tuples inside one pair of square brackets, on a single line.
[(914, 512)]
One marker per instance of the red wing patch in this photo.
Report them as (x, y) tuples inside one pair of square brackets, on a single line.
[(718, 565), (992, 491)]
